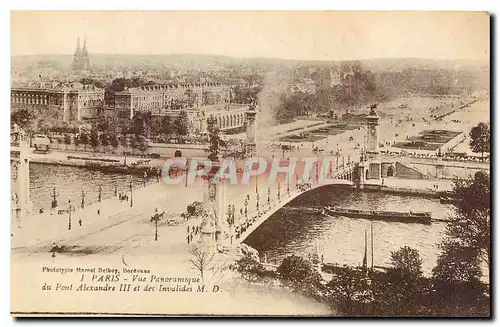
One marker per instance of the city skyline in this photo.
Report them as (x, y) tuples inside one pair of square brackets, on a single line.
[(279, 35)]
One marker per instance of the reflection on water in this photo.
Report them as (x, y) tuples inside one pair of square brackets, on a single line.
[(342, 239)]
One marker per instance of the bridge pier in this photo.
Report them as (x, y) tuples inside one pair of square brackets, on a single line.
[(214, 226), (372, 148), (20, 180)]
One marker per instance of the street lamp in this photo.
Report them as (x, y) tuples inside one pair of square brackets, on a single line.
[(69, 214), (116, 189), (269, 196), (100, 193), (246, 208), (144, 179), (83, 200), (131, 194), (279, 187)]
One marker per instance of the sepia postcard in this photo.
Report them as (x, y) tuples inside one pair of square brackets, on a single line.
[(250, 163)]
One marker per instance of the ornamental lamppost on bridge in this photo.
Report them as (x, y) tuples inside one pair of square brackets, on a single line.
[(83, 200), (131, 194), (337, 154), (257, 197), (269, 197), (69, 214), (246, 208), (54, 199)]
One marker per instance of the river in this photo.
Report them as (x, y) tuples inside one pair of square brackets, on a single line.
[(341, 239)]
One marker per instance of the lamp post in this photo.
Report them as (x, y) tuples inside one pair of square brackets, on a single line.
[(144, 179), (116, 190), (269, 196), (69, 214), (288, 187), (131, 194), (83, 200), (337, 154), (246, 208), (279, 187), (100, 193), (54, 199)]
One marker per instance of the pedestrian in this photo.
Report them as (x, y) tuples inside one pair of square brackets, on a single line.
[(188, 239), (192, 229), (98, 211), (188, 229), (80, 222)]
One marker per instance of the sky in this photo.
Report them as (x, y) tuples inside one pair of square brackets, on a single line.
[(313, 35)]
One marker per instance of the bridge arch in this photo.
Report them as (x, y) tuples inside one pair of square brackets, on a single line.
[(285, 200)]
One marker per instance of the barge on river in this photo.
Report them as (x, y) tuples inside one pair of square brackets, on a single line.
[(393, 216)]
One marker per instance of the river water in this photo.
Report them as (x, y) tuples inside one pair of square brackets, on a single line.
[(289, 231), (342, 240)]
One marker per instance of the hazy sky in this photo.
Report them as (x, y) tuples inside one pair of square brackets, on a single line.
[(291, 35)]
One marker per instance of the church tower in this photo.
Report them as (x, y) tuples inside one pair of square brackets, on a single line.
[(85, 56), (81, 59), (77, 55)]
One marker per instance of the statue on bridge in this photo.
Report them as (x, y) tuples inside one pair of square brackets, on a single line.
[(372, 108)]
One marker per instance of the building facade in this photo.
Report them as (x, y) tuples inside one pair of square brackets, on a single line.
[(71, 101), (159, 99)]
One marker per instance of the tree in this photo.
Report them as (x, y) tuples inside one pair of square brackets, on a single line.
[(480, 139), (104, 140), (84, 139), (250, 269), (201, 260), (400, 291), (300, 274), (470, 226), (167, 127), (457, 289), (140, 143), (94, 138), (26, 120), (76, 141), (407, 263), (141, 124), (182, 124), (113, 140), (67, 140), (349, 289)]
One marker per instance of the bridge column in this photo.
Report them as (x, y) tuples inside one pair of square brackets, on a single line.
[(372, 149), (214, 225), (251, 115), (19, 162)]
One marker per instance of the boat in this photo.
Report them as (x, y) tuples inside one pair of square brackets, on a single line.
[(394, 216)]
